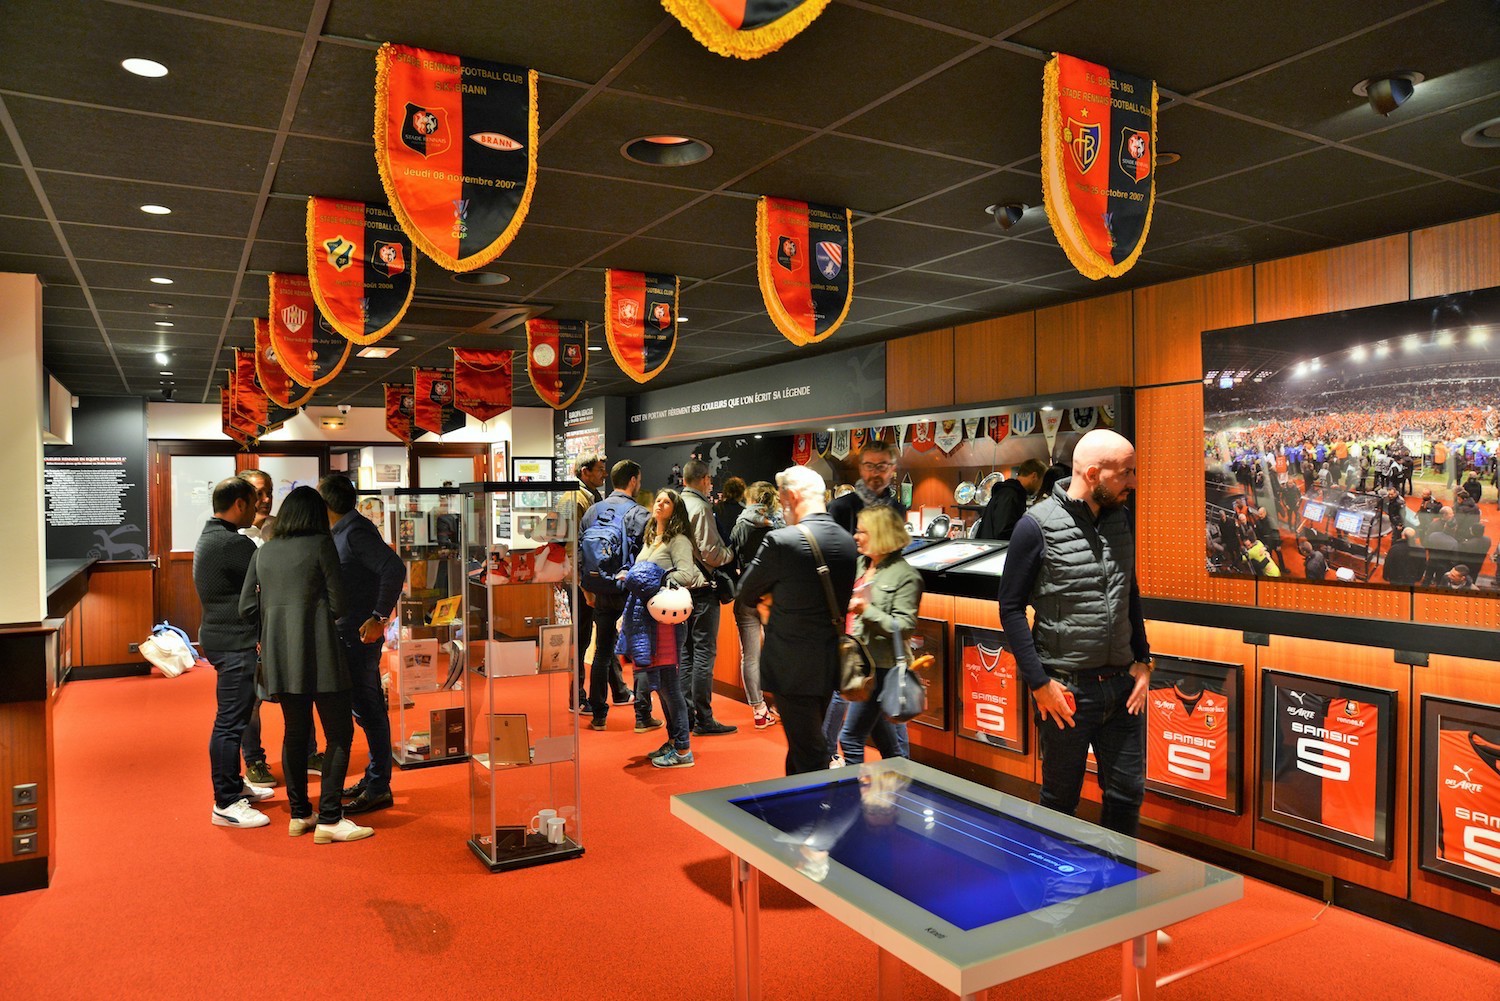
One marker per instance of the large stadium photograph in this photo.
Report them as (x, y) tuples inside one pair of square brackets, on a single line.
[(1357, 447)]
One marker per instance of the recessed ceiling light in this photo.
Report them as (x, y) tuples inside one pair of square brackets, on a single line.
[(166, 372), (156, 210), (666, 151), (144, 67), (1166, 159), (760, 436), (158, 280), (1389, 92), (161, 358), (376, 351), (1047, 408), (161, 305), (481, 278), (401, 338), (1484, 135), (595, 347), (163, 323), (684, 319)]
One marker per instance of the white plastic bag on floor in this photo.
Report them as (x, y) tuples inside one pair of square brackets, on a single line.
[(168, 650)]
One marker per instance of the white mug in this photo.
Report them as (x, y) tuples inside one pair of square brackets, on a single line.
[(555, 830), (538, 823)]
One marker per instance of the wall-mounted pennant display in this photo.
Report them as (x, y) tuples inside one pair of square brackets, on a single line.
[(400, 405), (1193, 731), (858, 437), (456, 141), (1460, 783), (1098, 151), (640, 321), (839, 449), (949, 434), (972, 426), (481, 382), (822, 440), (1107, 415), (802, 449), (246, 404), (998, 427), (1022, 423), (923, 434), (432, 401), (279, 387), (993, 699), (310, 350), (744, 29), (805, 260), (1084, 418), (1051, 421), (557, 359), (361, 267)]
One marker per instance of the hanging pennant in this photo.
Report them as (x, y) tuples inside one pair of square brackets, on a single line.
[(1084, 418), (247, 386), (481, 382), (400, 406), (972, 427), (455, 141), (744, 29), (557, 359), (247, 406), (840, 447), (1022, 423), (805, 261), (1107, 415), (857, 439), (948, 435), (802, 449), (906, 490), (432, 401), (360, 267), (640, 321), (821, 442), (998, 427), (1050, 423), (279, 387), (1098, 149), (229, 422), (310, 350), (922, 435)]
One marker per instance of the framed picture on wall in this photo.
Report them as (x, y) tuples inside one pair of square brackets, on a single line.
[(1460, 790), (1193, 731), (1328, 754), (931, 637), (532, 470), (993, 700)]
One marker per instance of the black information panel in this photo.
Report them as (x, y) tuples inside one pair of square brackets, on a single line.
[(96, 500)]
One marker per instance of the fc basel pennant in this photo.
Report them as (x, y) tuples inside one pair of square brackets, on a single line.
[(805, 260), (399, 406), (481, 382), (455, 140), (309, 349), (1098, 150), (432, 401), (640, 321), (557, 359), (279, 387), (745, 29), (361, 267)]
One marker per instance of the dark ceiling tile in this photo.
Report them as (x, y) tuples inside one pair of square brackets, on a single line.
[(291, 15), (285, 258), (923, 318), (1007, 261), (1413, 208), (720, 219), (53, 271), (695, 260), (729, 296), (575, 286), (1212, 144), (1173, 224), (17, 198), (1254, 243), (605, 204), (553, 246), (921, 286), (145, 323), (135, 277), (1435, 142), (1301, 184), (866, 177), (867, 308), (981, 17), (65, 297), (284, 220), (330, 169), (184, 309), (964, 207), (34, 236), (879, 241), (104, 243), (101, 201), (1006, 300), (338, 97), (1145, 272)]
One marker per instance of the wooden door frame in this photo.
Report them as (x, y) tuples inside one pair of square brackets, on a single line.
[(445, 450)]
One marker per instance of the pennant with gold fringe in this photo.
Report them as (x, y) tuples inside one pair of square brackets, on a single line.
[(432, 401), (247, 386), (557, 359), (744, 29), (640, 321), (228, 422), (360, 266), (400, 403), (310, 350), (1098, 155), (481, 382), (279, 387), (455, 141), (804, 257), (247, 408)]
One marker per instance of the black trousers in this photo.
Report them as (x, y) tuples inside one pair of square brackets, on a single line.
[(802, 720), (335, 709)]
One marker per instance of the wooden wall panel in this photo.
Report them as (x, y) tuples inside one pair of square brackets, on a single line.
[(179, 598), (1363, 666), (727, 653), (1478, 612), (919, 371), (1468, 681), (116, 612), (995, 359), (1359, 602), (1170, 319), (1169, 501), (23, 736), (1362, 274), (1458, 257), (1085, 345)]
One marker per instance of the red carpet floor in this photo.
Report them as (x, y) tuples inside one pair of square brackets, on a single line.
[(151, 901)]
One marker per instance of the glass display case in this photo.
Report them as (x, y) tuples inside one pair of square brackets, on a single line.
[(519, 674)]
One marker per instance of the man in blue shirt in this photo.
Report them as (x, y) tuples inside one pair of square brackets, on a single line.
[(372, 577)]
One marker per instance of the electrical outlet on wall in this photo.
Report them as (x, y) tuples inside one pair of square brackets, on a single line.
[(23, 794), (135, 648)]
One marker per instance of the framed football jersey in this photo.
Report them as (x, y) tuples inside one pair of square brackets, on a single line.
[(1460, 825), (1327, 766), (1193, 731), (993, 702), (931, 637)]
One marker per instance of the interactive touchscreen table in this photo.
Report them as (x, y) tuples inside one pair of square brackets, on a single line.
[(969, 886)]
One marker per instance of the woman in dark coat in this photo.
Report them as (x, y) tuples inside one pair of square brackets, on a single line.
[(293, 589)]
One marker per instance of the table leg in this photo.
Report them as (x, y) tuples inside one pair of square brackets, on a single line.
[(887, 976), (744, 902), (1138, 968)]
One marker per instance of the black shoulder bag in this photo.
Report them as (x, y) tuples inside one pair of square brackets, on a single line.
[(856, 667)]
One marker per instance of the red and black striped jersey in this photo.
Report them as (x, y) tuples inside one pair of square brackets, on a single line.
[(1326, 761)]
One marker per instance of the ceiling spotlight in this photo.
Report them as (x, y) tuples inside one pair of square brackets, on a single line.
[(143, 67), (161, 281), (1445, 339), (156, 210), (161, 305), (163, 323), (684, 319), (595, 347), (1360, 353), (1008, 214), (1479, 335), (373, 351), (1484, 135), (481, 278), (161, 359), (1387, 93), (666, 151), (167, 372), (1048, 408), (1165, 158)]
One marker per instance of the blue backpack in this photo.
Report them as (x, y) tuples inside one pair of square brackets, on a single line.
[(604, 551)]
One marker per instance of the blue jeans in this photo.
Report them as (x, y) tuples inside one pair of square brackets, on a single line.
[(695, 655), (865, 720), (833, 723), (748, 623), (338, 730), (370, 712), (668, 682), (236, 696), (1118, 739)]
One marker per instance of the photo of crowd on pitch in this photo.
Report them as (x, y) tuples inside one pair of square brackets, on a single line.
[(1357, 448)]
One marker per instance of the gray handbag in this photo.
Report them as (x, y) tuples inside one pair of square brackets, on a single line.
[(902, 694)]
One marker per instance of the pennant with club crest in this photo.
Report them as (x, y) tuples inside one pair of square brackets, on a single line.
[(482, 382), (972, 428), (279, 387), (997, 427), (840, 447), (400, 406), (310, 350), (805, 261), (1084, 418), (455, 141), (557, 359), (923, 435), (1107, 415), (640, 321), (432, 401), (948, 434), (858, 437), (257, 401), (360, 266), (1051, 421), (822, 441), (802, 449), (230, 422), (1022, 423), (1098, 153), (744, 29)]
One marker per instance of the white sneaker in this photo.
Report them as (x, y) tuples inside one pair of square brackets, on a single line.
[(256, 794), (239, 814), (301, 825), (344, 830)]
